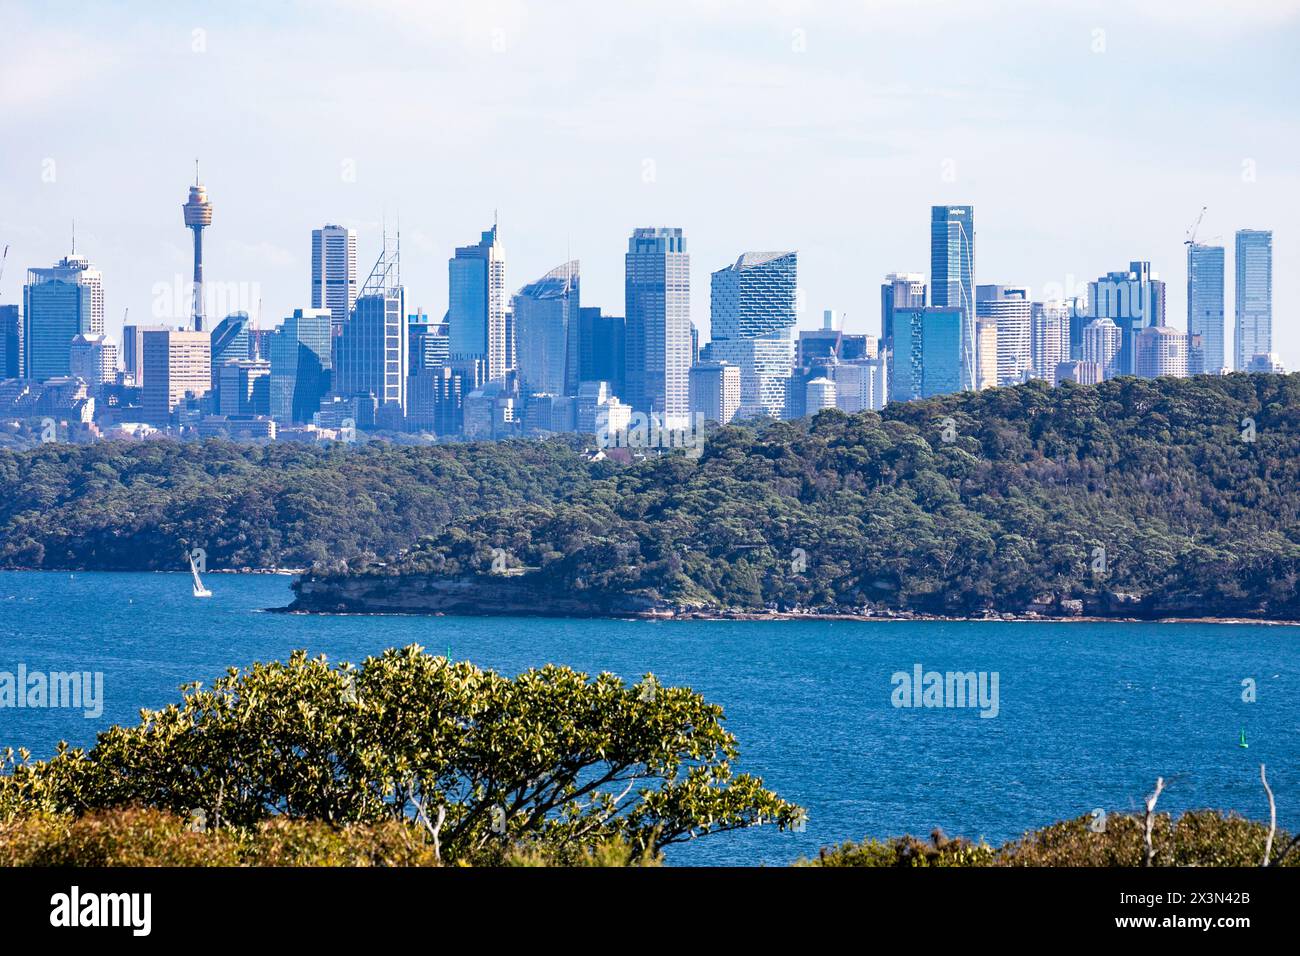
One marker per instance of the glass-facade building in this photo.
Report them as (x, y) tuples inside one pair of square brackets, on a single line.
[(59, 303), (334, 272), (1205, 302), (952, 274), (1134, 300), (752, 314), (476, 313), (657, 345), (928, 357), (546, 319), (301, 364), (371, 356), (1254, 305)]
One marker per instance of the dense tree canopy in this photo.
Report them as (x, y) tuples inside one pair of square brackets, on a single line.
[(1175, 496), (1172, 496), (481, 762)]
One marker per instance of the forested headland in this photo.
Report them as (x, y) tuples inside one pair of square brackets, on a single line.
[(1135, 498)]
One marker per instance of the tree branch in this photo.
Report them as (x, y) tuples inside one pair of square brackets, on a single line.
[(1272, 816), (1151, 819)]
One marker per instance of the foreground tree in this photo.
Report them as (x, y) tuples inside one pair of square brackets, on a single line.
[(482, 763)]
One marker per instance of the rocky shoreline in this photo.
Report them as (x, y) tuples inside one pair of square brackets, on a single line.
[(516, 595)]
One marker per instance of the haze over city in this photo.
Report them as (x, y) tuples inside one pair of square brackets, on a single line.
[(1085, 137)]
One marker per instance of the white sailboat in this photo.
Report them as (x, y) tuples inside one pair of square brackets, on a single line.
[(199, 590)]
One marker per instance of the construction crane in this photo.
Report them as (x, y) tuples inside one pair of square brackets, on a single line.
[(1191, 233), (2, 262)]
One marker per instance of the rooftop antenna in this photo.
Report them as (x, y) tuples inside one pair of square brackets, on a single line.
[(74, 236), (196, 170)]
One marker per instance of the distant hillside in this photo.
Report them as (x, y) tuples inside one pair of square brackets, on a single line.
[(876, 511), (141, 506), (839, 512)]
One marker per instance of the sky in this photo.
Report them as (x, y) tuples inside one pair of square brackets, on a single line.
[(1086, 135)]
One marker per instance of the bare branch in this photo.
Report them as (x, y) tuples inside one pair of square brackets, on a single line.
[(1151, 819), (1272, 816)]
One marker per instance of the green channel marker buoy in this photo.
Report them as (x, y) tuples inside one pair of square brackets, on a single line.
[(1243, 739)]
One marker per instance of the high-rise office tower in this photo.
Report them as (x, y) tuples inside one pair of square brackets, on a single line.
[(370, 356), (427, 340), (1010, 307), (198, 216), (927, 353), (601, 346), (1161, 351), (59, 303), (133, 349), (715, 391), (93, 359), (230, 343), (177, 366), (1254, 304), (820, 394), (334, 272), (1134, 300), (244, 387), (952, 275), (477, 315), (752, 323), (301, 364), (657, 352), (1101, 345), (11, 342), (1205, 302), (986, 352), (900, 290), (1049, 338), (549, 331)]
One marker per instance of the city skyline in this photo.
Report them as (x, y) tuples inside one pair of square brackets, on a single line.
[(865, 147)]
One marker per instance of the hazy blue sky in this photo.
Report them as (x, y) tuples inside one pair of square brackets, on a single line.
[(1085, 134)]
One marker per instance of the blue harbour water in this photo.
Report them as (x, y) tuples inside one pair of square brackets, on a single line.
[(1089, 714)]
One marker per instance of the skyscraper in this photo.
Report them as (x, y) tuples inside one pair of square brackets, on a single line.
[(927, 353), (1205, 302), (11, 342), (657, 290), (1161, 351), (1101, 344), (601, 347), (753, 319), (198, 216), (301, 364), (546, 319), (177, 364), (230, 343), (334, 272), (1254, 290), (133, 349), (477, 314), (986, 352), (371, 354), (900, 290), (93, 359), (1134, 300), (59, 303), (1010, 307), (1049, 338), (715, 391), (952, 275)]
